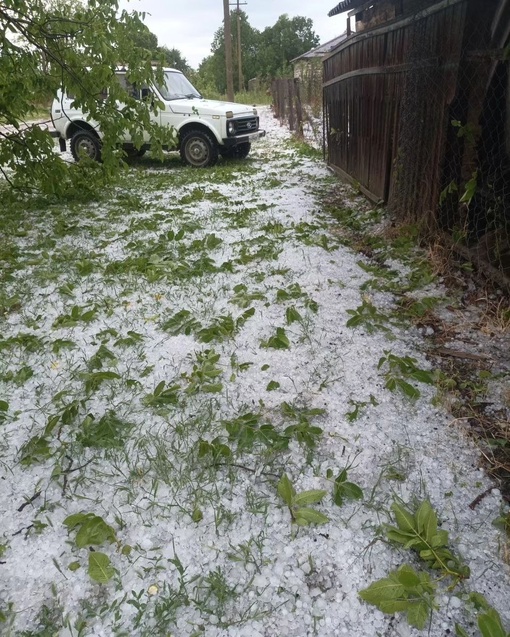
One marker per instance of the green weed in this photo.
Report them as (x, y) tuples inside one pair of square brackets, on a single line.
[(298, 503), (109, 432), (92, 530), (302, 431), (368, 317), (278, 341), (343, 489), (247, 431), (205, 374), (77, 315), (414, 592), (401, 368), (403, 590), (358, 406)]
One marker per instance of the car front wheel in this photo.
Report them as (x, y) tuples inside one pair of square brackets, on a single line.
[(198, 149), (237, 152), (85, 144)]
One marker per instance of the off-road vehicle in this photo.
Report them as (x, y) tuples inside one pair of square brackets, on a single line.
[(205, 128)]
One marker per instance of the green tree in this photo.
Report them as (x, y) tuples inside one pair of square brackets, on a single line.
[(250, 49), (207, 80), (265, 54), (78, 46), (212, 72), (174, 58), (285, 40), (145, 39)]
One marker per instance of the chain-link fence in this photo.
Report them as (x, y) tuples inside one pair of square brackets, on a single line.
[(418, 114)]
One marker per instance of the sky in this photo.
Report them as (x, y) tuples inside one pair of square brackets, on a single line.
[(191, 27)]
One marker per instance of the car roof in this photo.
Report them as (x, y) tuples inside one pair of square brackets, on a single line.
[(123, 69)]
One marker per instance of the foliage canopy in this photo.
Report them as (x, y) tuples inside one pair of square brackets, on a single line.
[(78, 46), (265, 53)]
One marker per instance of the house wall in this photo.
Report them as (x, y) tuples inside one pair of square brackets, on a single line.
[(381, 12)]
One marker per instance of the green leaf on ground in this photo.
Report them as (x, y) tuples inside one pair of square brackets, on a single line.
[(100, 568), (278, 341), (92, 531), (403, 590), (286, 490)]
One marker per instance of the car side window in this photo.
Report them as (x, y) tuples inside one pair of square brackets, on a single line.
[(126, 85), (131, 89)]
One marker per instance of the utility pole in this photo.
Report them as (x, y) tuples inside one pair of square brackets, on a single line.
[(228, 51), (239, 52)]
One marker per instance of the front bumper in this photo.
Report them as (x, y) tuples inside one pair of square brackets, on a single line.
[(230, 142)]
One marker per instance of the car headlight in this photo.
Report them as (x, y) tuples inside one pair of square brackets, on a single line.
[(231, 128)]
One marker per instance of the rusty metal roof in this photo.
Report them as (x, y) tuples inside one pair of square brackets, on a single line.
[(323, 49), (345, 5)]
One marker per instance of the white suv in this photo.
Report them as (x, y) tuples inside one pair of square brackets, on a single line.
[(205, 128)]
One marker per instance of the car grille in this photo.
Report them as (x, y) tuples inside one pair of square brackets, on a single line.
[(247, 125)]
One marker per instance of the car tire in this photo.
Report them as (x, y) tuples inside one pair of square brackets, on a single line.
[(237, 152), (198, 149), (84, 143)]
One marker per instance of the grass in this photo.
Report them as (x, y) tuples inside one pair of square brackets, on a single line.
[(257, 98), (167, 358)]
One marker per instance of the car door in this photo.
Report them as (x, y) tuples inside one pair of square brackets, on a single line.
[(63, 108), (137, 93), (181, 100)]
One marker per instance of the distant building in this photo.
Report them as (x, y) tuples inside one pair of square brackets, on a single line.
[(313, 58), (309, 69)]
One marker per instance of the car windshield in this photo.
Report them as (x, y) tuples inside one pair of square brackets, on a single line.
[(177, 87)]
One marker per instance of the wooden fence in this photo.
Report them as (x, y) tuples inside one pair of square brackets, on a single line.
[(287, 105), (415, 111)]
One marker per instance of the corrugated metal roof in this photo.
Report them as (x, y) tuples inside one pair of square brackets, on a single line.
[(345, 5), (323, 49)]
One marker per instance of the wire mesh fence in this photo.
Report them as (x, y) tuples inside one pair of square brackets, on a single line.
[(310, 76), (297, 102), (418, 114), (287, 105)]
